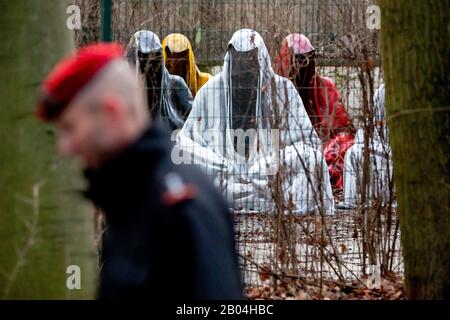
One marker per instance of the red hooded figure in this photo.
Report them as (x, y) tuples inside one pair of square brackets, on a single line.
[(322, 101)]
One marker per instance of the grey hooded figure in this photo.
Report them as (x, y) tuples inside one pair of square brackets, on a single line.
[(168, 97)]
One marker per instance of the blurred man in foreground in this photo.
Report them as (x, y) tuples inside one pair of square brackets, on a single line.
[(168, 232)]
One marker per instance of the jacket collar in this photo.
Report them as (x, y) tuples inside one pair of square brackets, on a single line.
[(123, 176)]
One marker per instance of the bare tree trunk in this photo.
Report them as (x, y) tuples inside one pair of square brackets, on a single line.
[(415, 38), (44, 225)]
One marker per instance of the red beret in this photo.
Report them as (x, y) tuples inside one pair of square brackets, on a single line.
[(70, 75)]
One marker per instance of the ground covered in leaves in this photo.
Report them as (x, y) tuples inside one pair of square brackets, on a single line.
[(391, 288)]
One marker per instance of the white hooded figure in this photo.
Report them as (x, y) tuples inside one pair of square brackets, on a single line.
[(379, 178), (249, 130)]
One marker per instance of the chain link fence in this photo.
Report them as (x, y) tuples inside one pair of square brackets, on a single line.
[(275, 244)]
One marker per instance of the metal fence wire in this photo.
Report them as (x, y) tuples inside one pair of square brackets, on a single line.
[(290, 221)]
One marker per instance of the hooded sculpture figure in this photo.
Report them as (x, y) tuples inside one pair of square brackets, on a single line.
[(247, 127), (168, 96), (179, 59), (379, 179), (296, 61)]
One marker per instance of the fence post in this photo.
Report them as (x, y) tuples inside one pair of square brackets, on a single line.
[(105, 29)]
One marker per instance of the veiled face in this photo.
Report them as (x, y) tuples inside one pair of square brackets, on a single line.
[(244, 89), (178, 62), (150, 64), (244, 65), (303, 69)]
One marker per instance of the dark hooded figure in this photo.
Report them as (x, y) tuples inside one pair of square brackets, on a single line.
[(244, 81), (297, 61), (168, 96)]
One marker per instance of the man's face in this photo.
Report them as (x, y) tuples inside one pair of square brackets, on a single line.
[(82, 134)]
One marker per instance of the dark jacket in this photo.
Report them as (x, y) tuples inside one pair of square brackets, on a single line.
[(169, 234)]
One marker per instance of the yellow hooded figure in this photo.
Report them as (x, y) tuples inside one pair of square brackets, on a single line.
[(179, 60)]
